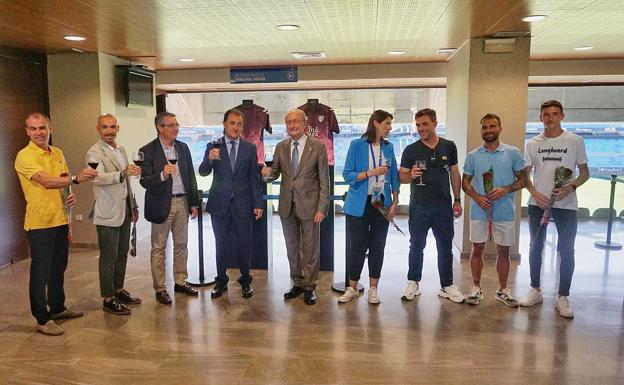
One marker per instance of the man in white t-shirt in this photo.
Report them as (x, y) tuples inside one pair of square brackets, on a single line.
[(545, 153)]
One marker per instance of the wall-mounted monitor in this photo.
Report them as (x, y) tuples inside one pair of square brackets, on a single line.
[(139, 86)]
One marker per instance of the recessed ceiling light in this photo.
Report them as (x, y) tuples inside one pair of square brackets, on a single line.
[(309, 55), (446, 50), (74, 38), (186, 59), (583, 48), (396, 52), (287, 27), (534, 18)]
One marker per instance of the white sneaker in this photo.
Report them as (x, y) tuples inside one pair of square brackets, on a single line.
[(348, 295), (452, 293), (563, 306), (533, 297), (475, 296), (373, 296), (411, 290), (50, 328), (505, 297)]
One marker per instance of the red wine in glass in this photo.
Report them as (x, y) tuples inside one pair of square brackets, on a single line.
[(173, 161), (269, 163), (93, 161), (172, 158), (138, 157)]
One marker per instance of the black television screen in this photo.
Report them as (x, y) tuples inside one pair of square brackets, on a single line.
[(140, 88)]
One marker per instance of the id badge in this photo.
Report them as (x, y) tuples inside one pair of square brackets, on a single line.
[(376, 197)]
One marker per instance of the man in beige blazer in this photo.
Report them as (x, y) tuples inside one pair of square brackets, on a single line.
[(113, 210), (303, 202)]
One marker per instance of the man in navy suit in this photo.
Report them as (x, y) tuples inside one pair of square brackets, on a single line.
[(234, 200), (170, 194)]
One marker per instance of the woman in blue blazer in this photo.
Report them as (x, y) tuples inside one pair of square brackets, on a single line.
[(373, 178)]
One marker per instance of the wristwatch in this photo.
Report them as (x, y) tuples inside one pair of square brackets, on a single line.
[(457, 200), (573, 186), (74, 179)]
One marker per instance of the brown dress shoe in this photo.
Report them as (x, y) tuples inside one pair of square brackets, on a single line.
[(163, 297), (67, 314), (186, 289)]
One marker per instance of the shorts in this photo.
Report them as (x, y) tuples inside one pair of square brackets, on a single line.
[(503, 233)]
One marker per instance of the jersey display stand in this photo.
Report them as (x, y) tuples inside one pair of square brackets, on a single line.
[(257, 120)]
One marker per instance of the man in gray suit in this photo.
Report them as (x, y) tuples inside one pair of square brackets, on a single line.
[(113, 210), (303, 202)]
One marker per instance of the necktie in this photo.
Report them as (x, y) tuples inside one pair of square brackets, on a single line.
[(295, 157), (232, 154)]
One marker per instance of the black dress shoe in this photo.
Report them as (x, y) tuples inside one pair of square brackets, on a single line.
[(186, 289), (115, 307), (294, 292), (309, 297), (125, 298), (218, 290), (246, 291), (163, 297)]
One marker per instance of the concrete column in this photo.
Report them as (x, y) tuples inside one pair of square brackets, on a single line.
[(478, 83), (81, 87)]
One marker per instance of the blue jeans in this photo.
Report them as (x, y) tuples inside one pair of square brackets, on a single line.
[(367, 232), (566, 224), (440, 221), (48, 254)]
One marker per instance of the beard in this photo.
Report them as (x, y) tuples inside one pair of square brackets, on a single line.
[(490, 138)]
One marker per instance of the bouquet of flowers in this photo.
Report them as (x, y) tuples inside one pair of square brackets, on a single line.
[(562, 176), (378, 204), (488, 185)]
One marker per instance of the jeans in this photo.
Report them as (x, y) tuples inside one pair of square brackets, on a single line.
[(48, 254), (566, 224), (367, 232), (440, 220)]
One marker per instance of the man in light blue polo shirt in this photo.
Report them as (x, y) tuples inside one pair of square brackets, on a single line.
[(500, 167)]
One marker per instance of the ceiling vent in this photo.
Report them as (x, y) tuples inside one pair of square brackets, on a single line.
[(309, 55), (503, 34)]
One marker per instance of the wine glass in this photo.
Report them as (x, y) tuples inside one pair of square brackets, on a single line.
[(217, 144), (268, 161), (138, 157), (172, 157), (422, 166), (93, 161)]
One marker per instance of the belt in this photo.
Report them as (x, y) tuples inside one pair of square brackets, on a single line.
[(177, 195)]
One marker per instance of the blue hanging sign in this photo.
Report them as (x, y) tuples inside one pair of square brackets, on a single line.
[(263, 75)]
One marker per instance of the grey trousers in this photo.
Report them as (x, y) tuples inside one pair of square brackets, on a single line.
[(303, 249)]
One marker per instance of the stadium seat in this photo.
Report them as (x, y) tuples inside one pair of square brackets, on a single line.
[(583, 212), (524, 211), (603, 212)]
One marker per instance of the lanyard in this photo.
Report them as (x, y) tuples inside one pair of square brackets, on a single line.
[(370, 145)]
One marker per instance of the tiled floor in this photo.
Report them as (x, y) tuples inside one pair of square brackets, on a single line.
[(265, 340)]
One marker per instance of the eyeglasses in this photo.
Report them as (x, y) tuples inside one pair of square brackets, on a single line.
[(171, 125)]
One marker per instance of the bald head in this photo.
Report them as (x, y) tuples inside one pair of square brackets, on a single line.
[(108, 128)]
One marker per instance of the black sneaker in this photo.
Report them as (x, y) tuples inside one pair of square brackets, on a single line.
[(125, 297), (115, 307)]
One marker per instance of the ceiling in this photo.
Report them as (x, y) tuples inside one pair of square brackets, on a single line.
[(226, 33)]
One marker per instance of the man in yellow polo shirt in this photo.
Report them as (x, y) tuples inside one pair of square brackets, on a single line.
[(45, 180)]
